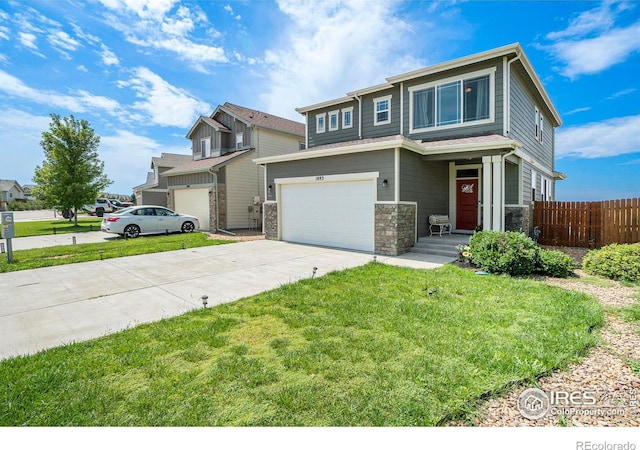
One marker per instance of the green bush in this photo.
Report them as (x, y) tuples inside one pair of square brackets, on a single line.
[(615, 261), (555, 263), (504, 252), (516, 254)]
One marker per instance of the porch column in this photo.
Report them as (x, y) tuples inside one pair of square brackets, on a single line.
[(496, 221), (486, 193)]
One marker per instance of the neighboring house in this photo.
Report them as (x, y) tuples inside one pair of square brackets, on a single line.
[(154, 190), (220, 184), (471, 138), (28, 191), (10, 190)]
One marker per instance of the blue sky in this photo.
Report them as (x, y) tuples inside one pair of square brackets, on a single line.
[(141, 72)]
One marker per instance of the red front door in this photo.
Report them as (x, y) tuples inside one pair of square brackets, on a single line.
[(466, 204)]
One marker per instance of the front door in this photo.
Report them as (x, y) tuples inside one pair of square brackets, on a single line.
[(466, 204)]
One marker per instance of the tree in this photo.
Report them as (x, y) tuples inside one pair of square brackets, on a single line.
[(72, 175)]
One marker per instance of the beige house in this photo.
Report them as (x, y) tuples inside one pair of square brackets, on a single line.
[(220, 184)]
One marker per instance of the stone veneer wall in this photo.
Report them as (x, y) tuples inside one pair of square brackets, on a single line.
[(222, 208), (517, 218), (270, 210), (170, 203), (394, 228)]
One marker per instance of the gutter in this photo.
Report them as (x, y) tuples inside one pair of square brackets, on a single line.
[(508, 84)]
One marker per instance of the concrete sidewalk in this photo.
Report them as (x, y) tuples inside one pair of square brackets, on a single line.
[(52, 240), (48, 307)]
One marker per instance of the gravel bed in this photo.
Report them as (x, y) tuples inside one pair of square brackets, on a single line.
[(604, 381), (238, 235)]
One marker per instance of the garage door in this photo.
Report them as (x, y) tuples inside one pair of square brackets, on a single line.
[(339, 214), (194, 202)]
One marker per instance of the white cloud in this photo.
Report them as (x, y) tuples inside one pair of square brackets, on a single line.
[(155, 24), (165, 105), (21, 132), (611, 137), (28, 40), (60, 39), (578, 110), (108, 57), (333, 47), (4, 33), (621, 93), (591, 43), (80, 103)]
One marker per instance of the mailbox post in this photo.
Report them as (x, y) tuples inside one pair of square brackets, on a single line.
[(8, 232)]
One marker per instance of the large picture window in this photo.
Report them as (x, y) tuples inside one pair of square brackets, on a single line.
[(452, 102)]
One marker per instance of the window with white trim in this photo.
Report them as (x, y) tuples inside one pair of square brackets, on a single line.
[(347, 117), (239, 140), (333, 120), (320, 122), (539, 125), (382, 110), (205, 147), (452, 102), (534, 180), (546, 189)]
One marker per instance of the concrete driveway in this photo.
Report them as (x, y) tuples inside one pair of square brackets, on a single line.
[(48, 307)]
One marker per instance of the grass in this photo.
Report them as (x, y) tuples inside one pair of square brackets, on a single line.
[(69, 254), (362, 347), (46, 227)]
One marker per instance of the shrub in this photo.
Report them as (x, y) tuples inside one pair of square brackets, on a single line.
[(504, 252), (555, 263), (615, 261)]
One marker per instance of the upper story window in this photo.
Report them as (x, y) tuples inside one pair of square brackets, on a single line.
[(382, 109), (205, 147), (539, 125), (347, 117), (452, 102), (239, 140), (320, 122), (333, 120)]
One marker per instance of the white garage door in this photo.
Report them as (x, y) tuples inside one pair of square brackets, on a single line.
[(339, 214), (194, 202)]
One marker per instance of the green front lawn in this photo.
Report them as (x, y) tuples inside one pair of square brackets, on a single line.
[(69, 254), (375, 345), (45, 227)]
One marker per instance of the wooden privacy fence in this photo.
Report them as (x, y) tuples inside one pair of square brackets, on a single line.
[(588, 224)]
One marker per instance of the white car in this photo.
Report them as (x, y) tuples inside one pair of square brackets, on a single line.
[(137, 220)]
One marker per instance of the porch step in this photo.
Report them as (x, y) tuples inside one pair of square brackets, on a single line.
[(442, 246)]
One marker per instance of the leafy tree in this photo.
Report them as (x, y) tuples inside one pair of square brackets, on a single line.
[(71, 175)]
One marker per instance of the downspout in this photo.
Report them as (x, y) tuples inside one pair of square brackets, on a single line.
[(504, 186), (359, 116), (306, 131), (508, 99), (215, 183)]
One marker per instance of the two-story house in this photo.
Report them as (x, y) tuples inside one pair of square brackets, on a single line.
[(220, 184), (154, 190), (471, 138)]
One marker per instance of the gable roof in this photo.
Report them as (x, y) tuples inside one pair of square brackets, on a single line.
[(209, 121), (204, 165), (6, 185), (169, 160), (514, 50), (262, 119)]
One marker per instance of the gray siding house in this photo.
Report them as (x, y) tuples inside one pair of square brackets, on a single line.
[(154, 191), (219, 183), (10, 190), (471, 138)]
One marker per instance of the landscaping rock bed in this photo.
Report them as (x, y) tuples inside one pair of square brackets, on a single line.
[(605, 374), (238, 235)]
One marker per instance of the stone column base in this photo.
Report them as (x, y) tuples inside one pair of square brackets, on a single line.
[(395, 228)]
